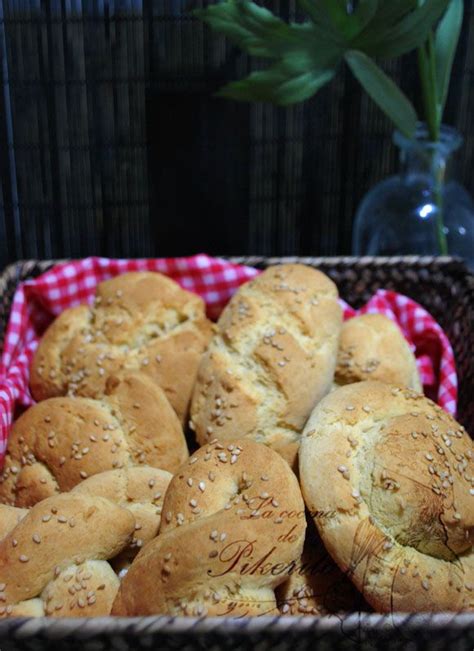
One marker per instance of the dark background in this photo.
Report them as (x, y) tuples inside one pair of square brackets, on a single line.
[(112, 143)]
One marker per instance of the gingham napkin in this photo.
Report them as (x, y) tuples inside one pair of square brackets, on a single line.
[(37, 302)]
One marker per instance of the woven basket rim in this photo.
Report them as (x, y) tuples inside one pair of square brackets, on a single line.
[(345, 624)]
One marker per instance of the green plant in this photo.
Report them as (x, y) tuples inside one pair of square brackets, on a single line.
[(306, 56)]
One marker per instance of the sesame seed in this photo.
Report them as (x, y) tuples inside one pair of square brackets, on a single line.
[(14, 542), (83, 474), (151, 483), (202, 486), (342, 469), (62, 519), (192, 503), (213, 554), (23, 558), (425, 584), (36, 538)]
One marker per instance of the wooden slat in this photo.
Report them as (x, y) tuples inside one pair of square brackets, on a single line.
[(118, 147)]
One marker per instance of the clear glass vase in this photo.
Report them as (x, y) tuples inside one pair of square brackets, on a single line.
[(422, 210)]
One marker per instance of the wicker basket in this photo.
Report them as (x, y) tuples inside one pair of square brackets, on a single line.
[(445, 288)]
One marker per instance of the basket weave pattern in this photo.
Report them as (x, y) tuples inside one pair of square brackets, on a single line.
[(444, 288)]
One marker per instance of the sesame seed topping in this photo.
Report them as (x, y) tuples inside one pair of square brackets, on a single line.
[(202, 486), (342, 469), (36, 538), (23, 558)]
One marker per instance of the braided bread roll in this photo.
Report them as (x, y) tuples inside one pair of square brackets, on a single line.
[(140, 321), (388, 477), (233, 520), (271, 361), (53, 561), (141, 490), (60, 442)]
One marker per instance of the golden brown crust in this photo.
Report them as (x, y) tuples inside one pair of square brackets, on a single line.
[(59, 442), (141, 490), (372, 347), (271, 360), (226, 536), (10, 516), (139, 321), (393, 497), (58, 536)]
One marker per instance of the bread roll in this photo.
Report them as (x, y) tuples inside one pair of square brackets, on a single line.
[(53, 561), (316, 585), (272, 359), (9, 518), (139, 321), (59, 442), (388, 476), (141, 490), (372, 347), (233, 520)]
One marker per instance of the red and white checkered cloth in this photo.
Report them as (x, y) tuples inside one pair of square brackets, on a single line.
[(37, 302)]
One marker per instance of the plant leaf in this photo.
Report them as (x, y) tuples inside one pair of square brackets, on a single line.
[(446, 41), (405, 34), (333, 17), (383, 91), (365, 12), (278, 85), (254, 29), (257, 31)]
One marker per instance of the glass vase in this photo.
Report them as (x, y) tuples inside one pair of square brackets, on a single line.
[(421, 211)]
